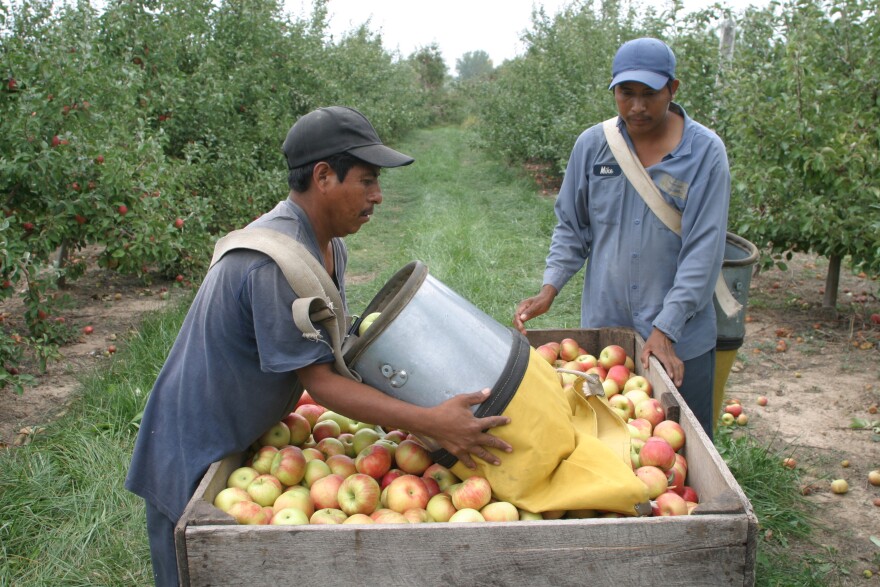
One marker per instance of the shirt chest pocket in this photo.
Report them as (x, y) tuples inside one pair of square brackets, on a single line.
[(606, 199)]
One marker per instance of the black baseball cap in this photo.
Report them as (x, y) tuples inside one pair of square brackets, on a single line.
[(334, 130)]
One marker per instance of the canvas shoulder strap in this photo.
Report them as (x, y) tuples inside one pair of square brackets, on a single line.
[(318, 301), (638, 176)]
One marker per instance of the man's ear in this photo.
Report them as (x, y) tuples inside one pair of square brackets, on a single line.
[(673, 87), (321, 174)]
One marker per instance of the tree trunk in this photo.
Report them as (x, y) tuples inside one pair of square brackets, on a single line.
[(61, 262), (832, 282)]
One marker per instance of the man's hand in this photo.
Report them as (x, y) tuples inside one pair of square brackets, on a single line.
[(659, 345), (455, 428), (534, 306)]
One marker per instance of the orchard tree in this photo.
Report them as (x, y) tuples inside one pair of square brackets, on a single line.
[(474, 65), (801, 118)]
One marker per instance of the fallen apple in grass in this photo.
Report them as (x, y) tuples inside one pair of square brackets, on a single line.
[(874, 477), (839, 486)]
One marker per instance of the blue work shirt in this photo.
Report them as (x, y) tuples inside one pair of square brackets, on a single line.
[(639, 273), (231, 372)]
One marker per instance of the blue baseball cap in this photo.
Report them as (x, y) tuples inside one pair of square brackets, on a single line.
[(647, 61)]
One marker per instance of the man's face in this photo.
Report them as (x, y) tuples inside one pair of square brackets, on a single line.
[(351, 203), (643, 108)]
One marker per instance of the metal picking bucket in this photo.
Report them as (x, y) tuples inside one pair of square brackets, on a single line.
[(430, 344), (739, 257)]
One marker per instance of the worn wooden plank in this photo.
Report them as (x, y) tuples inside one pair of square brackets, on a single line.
[(684, 551)]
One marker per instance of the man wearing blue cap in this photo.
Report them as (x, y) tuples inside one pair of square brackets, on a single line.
[(641, 274), (240, 360)]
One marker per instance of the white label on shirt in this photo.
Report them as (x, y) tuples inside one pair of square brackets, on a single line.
[(674, 187)]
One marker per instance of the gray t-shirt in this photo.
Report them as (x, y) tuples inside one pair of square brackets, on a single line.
[(231, 372)]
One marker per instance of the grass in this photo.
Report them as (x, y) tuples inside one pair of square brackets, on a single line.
[(481, 228)]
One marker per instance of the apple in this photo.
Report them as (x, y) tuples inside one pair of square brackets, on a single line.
[(388, 516), (330, 446), (395, 436), (345, 423), (328, 516), (638, 382), (681, 465), (467, 515), (599, 371), (473, 493), (622, 405), (762, 400), (742, 419), (619, 374), (656, 452), (228, 496), (527, 516), (654, 479), (347, 440), (242, 477), (358, 494), (573, 366), (612, 355), (651, 410), (671, 432), (874, 477), (727, 419), (789, 463), (263, 458), (406, 492), (311, 454), (610, 387), (364, 438), (341, 465), (500, 511), (547, 352), (359, 519), (375, 460), (88, 329), (431, 485), (442, 475), (325, 491), (249, 513), (367, 322), (674, 479), (390, 476), (635, 448), (298, 497), (669, 504), (735, 409), (289, 517), (411, 457), (304, 398), (688, 493), (310, 412), (440, 507), (123, 210), (839, 486), (325, 429), (587, 361), (569, 349), (315, 469), (417, 516), (636, 396), (265, 489), (640, 428), (289, 465), (299, 428)]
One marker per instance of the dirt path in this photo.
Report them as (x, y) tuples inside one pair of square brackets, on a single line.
[(828, 376)]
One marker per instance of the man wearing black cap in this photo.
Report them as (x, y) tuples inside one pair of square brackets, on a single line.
[(640, 274), (238, 357)]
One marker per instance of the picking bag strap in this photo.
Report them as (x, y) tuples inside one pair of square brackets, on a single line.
[(318, 300), (638, 176)]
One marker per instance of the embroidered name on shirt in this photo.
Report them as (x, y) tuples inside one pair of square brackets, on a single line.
[(606, 170), (672, 186)]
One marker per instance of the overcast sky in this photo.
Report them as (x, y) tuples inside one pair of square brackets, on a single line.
[(457, 26)]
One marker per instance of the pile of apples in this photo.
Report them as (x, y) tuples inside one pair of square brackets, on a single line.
[(320, 467), (655, 441)]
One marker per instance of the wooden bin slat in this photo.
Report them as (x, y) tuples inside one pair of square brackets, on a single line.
[(711, 549)]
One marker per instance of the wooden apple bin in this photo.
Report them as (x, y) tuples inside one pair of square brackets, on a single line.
[(715, 546)]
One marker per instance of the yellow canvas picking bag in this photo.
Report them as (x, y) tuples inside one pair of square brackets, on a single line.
[(570, 450)]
